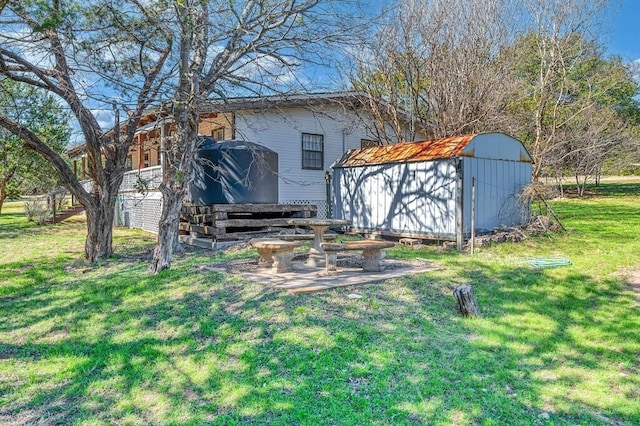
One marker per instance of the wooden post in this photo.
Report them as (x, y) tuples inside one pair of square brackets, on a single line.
[(459, 209), (53, 208), (466, 301), (473, 214), (327, 178), (140, 152)]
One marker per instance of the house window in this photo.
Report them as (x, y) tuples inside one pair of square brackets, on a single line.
[(158, 157), (128, 165), (368, 143), (218, 133), (312, 151), (146, 159)]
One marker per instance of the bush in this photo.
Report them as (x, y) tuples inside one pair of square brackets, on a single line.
[(60, 200), (37, 212)]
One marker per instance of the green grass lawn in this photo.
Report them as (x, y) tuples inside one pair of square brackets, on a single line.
[(111, 344)]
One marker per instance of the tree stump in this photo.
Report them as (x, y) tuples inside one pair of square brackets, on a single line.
[(466, 301)]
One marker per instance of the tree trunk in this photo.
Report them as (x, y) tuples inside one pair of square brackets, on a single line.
[(177, 245), (99, 205), (3, 192), (180, 156), (100, 215), (168, 229), (466, 301)]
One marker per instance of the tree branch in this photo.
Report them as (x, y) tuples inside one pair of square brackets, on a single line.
[(33, 142)]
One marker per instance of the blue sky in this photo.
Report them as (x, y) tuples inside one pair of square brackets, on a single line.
[(623, 35)]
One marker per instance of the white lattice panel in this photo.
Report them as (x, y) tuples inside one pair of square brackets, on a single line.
[(140, 211), (322, 205)]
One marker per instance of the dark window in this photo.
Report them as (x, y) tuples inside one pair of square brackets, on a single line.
[(312, 151), (146, 159), (368, 143), (218, 133), (128, 164)]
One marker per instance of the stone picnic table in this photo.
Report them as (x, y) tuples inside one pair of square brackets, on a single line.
[(319, 226)]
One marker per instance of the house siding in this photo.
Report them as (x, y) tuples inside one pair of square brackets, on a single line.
[(141, 211), (282, 131), (279, 129)]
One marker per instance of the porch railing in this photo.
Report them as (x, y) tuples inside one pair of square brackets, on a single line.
[(142, 180)]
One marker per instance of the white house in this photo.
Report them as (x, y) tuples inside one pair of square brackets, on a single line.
[(309, 133)]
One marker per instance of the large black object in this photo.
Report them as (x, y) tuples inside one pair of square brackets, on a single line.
[(234, 172)]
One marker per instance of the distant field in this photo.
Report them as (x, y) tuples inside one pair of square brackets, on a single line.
[(604, 179), (625, 179), (110, 344)]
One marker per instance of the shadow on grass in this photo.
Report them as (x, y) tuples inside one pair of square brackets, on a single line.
[(607, 189), (117, 345), (13, 224), (611, 189), (569, 341)]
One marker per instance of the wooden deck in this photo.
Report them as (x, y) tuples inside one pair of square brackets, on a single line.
[(238, 221)]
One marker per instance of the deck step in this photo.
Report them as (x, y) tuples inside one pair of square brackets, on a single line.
[(66, 214)]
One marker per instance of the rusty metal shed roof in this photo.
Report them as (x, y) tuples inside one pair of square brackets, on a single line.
[(410, 152)]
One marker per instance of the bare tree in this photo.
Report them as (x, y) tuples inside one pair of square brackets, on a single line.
[(531, 68), (52, 46), (439, 61), (576, 116), (227, 47), (562, 31), (223, 48), (600, 118)]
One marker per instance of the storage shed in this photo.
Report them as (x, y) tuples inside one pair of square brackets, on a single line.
[(424, 189)]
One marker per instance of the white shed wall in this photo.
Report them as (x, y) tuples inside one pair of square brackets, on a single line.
[(410, 199), (498, 184), (497, 146)]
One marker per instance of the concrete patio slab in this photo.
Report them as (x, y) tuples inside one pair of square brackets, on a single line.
[(305, 279)]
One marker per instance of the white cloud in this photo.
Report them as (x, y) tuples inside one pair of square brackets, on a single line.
[(272, 72), (105, 118)]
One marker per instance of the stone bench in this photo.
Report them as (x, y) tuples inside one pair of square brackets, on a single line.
[(371, 250), (277, 253)]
